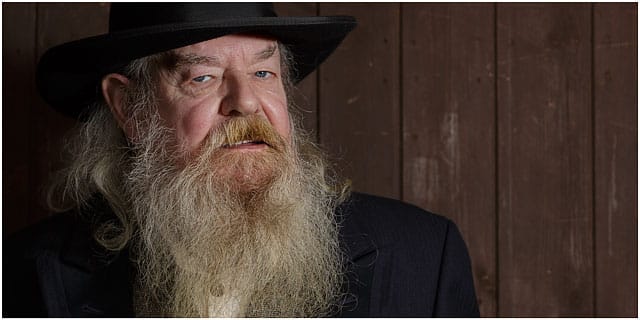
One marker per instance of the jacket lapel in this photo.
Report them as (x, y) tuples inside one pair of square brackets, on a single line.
[(361, 252), (96, 283)]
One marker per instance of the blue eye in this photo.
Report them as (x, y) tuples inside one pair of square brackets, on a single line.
[(204, 78), (263, 74)]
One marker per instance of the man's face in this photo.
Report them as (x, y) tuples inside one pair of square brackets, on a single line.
[(208, 83)]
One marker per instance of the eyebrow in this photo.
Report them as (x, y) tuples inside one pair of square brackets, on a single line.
[(174, 61), (266, 53), (189, 59)]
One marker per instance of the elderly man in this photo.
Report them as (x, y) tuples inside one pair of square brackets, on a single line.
[(191, 190)]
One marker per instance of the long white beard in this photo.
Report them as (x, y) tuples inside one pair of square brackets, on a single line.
[(233, 234)]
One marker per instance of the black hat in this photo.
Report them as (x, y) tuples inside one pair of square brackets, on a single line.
[(68, 75)]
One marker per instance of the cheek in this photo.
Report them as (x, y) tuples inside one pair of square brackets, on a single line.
[(194, 127), (278, 114), (192, 121), (284, 127)]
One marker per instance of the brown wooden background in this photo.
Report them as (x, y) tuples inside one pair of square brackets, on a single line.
[(518, 121)]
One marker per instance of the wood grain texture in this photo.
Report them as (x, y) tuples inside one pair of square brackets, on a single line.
[(305, 93), (359, 99), (616, 149), (56, 24), (545, 160), (405, 106), (448, 96), (18, 68)]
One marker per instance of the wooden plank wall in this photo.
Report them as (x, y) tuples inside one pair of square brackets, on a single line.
[(32, 131), (545, 160), (517, 121)]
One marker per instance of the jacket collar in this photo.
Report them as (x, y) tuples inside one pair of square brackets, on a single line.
[(354, 236)]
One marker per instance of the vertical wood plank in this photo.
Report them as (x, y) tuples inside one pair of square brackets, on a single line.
[(359, 99), (305, 94), (545, 160), (56, 23), (18, 92), (616, 150), (449, 125)]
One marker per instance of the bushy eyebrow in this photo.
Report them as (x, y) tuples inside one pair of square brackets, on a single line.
[(176, 60), (266, 53), (196, 59), (173, 61)]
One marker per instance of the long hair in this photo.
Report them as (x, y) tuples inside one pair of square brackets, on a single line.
[(99, 155)]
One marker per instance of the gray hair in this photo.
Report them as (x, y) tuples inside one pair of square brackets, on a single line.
[(98, 152)]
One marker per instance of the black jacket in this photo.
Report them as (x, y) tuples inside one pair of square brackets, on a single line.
[(405, 262)]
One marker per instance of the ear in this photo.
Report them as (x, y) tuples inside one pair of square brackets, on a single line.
[(114, 92)]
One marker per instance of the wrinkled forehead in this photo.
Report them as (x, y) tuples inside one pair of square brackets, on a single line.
[(252, 48)]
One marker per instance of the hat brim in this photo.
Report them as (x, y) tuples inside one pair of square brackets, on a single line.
[(68, 75)]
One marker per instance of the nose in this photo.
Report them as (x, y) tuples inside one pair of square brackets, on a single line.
[(240, 98)]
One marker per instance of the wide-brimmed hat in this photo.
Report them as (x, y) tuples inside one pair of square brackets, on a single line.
[(68, 75)]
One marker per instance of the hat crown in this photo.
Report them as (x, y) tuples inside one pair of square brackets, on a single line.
[(128, 16), (69, 75)]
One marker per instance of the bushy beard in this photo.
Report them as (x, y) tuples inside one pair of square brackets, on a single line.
[(228, 233)]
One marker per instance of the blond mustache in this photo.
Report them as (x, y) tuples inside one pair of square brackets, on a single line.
[(248, 129)]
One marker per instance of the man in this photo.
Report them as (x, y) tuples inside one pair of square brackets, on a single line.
[(191, 190)]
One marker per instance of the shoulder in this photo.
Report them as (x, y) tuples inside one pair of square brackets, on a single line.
[(46, 236), (55, 267), (59, 235), (62, 238), (420, 262), (387, 220), (24, 265)]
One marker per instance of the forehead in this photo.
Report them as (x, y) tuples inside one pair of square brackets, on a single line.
[(237, 45)]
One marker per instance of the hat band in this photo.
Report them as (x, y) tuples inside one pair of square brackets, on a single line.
[(127, 16)]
